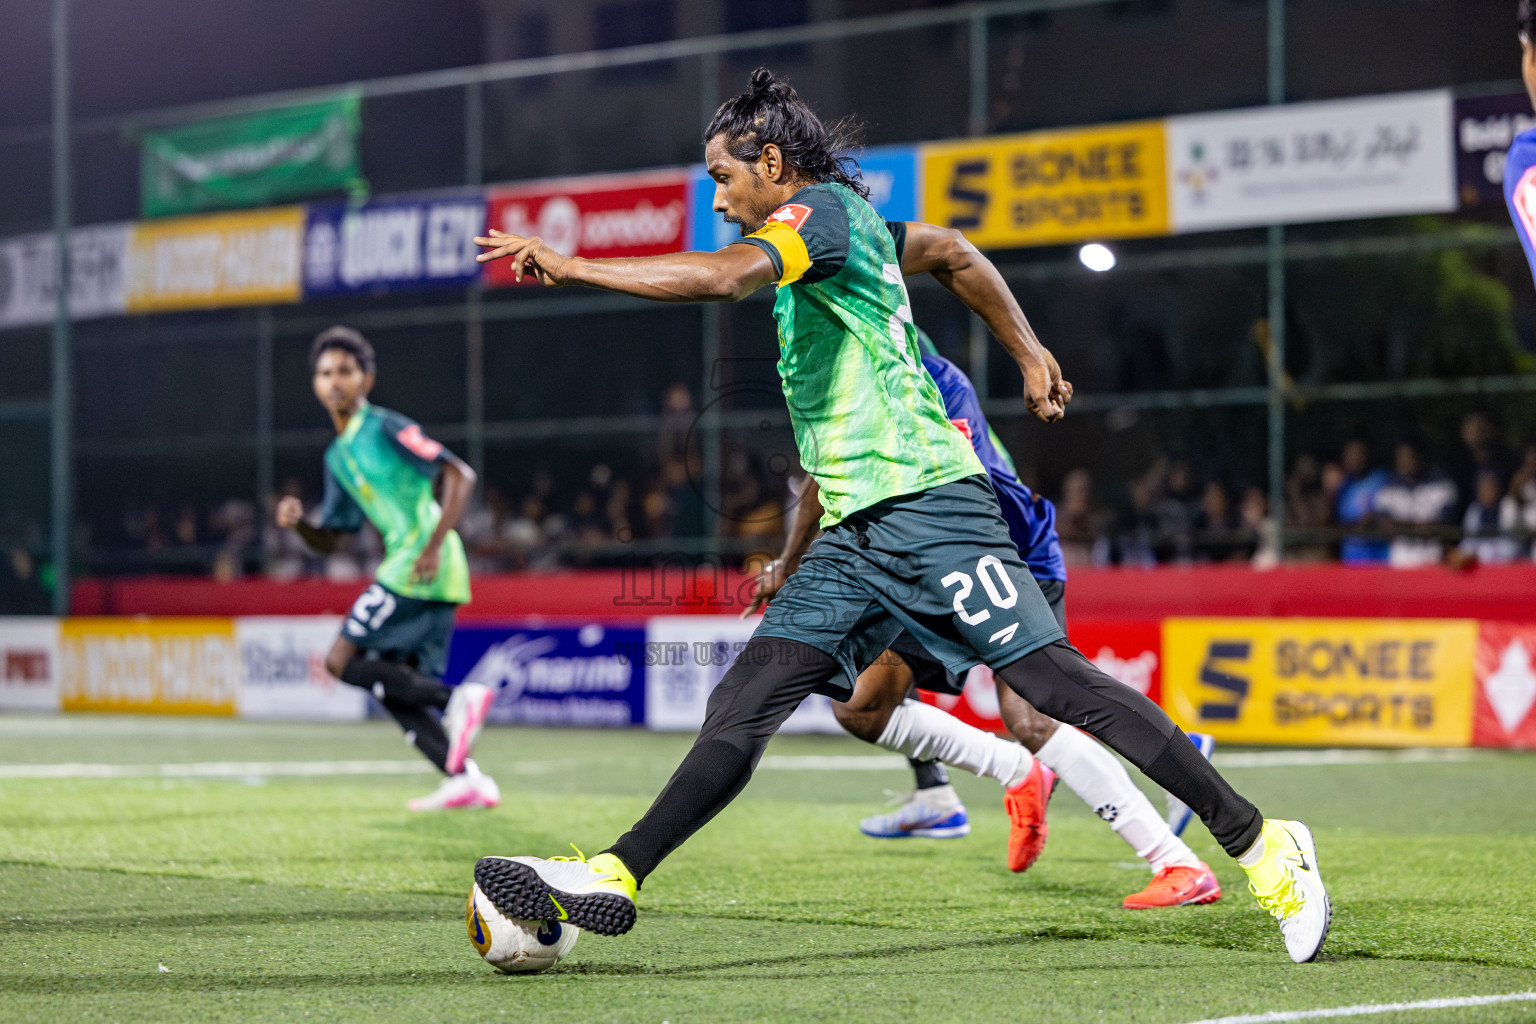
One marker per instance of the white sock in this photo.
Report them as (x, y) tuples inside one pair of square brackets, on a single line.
[(1095, 775), (928, 734), (941, 796), (1254, 853)]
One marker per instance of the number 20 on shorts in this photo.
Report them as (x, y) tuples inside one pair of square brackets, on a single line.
[(999, 589)]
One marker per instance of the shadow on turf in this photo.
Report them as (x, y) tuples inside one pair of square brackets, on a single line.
[(57, 923)]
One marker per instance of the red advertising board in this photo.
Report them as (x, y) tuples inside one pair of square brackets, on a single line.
[(609, 215), (1504, 674), (1131, 650)]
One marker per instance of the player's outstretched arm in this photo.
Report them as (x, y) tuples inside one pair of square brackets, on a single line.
[(803, 528), (458, 483), (728, 275), (959, 266), (289, 514)]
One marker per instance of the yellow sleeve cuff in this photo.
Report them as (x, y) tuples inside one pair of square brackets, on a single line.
[(786, 241)]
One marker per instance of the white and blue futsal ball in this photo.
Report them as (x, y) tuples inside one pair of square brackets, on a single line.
[(511, 944)]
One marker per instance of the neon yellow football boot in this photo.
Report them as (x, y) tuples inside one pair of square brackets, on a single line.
[(597, 895), (1287, 884)]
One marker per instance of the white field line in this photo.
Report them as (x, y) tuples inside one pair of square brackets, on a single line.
[(837, 763), (1364, 1009), (212, 769)]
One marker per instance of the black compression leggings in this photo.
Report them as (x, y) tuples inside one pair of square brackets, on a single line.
[(411, 700), (768, 681), (772, 676), (1066, 686)]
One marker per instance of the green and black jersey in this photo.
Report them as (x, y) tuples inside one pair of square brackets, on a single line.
[(868, 420), (382, 467)]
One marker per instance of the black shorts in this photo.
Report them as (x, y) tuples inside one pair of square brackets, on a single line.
[(403, 629), (939, 564), (929, 673)]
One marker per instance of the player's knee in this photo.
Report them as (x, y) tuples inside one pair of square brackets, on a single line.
[(1028, 726)]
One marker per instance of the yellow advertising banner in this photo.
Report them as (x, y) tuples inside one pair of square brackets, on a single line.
[(173, 665), (227, 259), (1043, 188), (1322, 682)]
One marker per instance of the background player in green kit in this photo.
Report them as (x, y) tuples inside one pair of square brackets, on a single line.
[(913, 539), (394, 643)]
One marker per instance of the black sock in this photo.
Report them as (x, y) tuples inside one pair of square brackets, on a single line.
[(929, 773), (424, 730), (412, 699), (709, 778), (393, 683)]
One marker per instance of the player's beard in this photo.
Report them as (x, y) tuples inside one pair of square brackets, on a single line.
[(761, 215)]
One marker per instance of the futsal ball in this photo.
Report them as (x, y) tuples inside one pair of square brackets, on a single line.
[(511, 944)]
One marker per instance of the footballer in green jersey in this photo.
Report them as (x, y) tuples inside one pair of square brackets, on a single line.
[(394, 643), (914, 538)]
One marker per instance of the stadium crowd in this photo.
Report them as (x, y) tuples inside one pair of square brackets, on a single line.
[(1354, 505)]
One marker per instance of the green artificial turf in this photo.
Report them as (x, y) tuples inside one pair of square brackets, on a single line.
[(323, 899)]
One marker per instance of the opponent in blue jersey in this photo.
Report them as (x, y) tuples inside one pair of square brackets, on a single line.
[(881, 710), (1520, 167)]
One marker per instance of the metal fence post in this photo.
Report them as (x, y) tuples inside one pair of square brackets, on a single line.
[(709, 347), (62, 464), (266, 484), (978, 59), (474, 315), (1276, 312)]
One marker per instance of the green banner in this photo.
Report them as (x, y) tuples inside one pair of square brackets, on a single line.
[(253, 159)]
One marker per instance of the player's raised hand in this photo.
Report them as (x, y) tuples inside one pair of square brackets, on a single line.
[(527, 254), (288, 512)]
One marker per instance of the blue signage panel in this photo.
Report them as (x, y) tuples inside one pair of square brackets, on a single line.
[(391, 245), (569, 675), (889, 171), (1485, 126)]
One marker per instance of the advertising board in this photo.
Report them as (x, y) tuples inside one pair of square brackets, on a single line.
[(168, 665), (388, 246), (1504, 706), (29, 664), (1325, 682), (283, 674), (1044, 188), (566, 675), (1335, 160), (97, 284), (599, 216), (227, 259)]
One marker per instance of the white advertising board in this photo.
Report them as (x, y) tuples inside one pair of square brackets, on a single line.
[(686, 655), (29, 664), (1335, 160), (29, 275), (282, 670)]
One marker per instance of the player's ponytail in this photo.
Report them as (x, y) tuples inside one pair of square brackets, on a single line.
[(770, 111)]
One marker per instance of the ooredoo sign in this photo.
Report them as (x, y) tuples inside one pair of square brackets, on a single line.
[(615, 215)]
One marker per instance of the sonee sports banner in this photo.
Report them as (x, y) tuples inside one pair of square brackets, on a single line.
[(1323, 682)]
